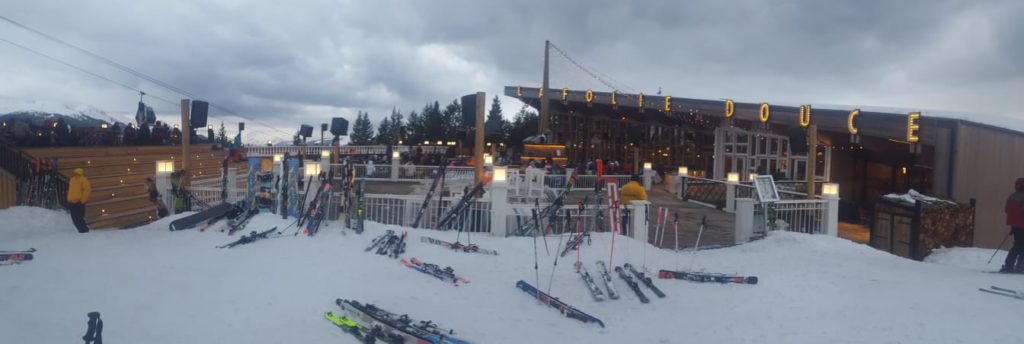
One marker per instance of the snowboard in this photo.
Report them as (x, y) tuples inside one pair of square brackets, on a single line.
[(706, 277)]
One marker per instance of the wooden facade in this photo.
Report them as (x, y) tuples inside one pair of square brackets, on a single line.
[(986, 162), (8, 189)]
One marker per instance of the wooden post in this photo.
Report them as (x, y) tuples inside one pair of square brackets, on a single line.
[(186, 136), (812, 158), (545, 109), (478, 147)]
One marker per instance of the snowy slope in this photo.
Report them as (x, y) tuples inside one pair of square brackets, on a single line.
[(155, 286)]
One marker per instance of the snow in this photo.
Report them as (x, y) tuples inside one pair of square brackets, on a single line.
[(156, 286), (80, 112), (913, 196), (970, 258)]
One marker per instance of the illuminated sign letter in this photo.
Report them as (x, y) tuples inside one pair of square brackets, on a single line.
[(851, 121), (519, 91), (540, 92), (913, 127), (805, 115), (730, 108), (565, 95), (668, 104), (640, 101), (590, 96), (766, 112), (615, 98)]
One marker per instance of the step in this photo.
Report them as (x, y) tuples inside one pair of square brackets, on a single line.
[(107, 193), (116, 206)]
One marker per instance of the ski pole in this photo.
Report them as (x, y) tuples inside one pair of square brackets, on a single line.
[(693, 256), (579, 232), (536, 266), (615, 231), (555, 265), (675, 252), (998, 247)]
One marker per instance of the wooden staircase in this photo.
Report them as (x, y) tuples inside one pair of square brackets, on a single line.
[(118, 177)]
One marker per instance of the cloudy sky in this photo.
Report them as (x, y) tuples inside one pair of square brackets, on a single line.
[(281, 63)]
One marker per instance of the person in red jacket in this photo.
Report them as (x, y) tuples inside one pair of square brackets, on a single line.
[(1015, 219)]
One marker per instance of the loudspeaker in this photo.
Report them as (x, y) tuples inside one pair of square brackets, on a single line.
[(323, 127), (469, 110), (306, 130), (241, 126), (339, 126), (198, 115), (150, 116)]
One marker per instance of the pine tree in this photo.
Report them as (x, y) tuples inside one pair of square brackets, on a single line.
[(415, 129), (496, 127), (523, 125), (397, 127), (362, 130), (385, 135), (222, 135)]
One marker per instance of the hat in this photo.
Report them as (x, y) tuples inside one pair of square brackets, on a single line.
[(79, 171)]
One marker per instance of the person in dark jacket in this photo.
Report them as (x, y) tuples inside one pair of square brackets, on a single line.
[(1015, 219)]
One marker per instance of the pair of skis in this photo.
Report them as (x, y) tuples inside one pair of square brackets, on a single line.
[(706, 277), (554, 302), (471, 248), (1017, 294), (446, 274), (368, 323), (459, 207), (389, 244), (249, 238), (430, 194), (16, 257)]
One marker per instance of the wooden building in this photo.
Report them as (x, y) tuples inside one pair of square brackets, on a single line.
[(869, 151)]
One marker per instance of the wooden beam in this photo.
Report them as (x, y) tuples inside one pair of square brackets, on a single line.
[(186, 136), (478, 147), (545, 108), (812, 158)]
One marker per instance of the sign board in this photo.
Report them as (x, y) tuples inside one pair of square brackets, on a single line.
[(766, 191)]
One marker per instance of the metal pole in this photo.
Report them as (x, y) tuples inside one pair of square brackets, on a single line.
[(186, 136), (812, 158), (545, 109)]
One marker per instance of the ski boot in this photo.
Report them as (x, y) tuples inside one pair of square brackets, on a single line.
[(1008, 269)]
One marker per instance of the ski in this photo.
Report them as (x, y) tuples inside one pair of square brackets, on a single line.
[(446, 274), (201, 219), (471, 248), (463, 204), (361, 207), (399, 247), (15, 258), (248, 238), (608, 283), (398, 328), (30, 250), (430, 194), (632, 284), (367, 336), (389, 241), (706, 277), (562, 307), (378, 240), (238, 223), (644, 279), (595, 291), (1017, 294)]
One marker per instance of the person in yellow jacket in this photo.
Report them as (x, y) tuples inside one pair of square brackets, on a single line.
[(632, 191), (79, 189)]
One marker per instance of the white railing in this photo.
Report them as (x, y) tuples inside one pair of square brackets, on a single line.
[(803, 216), (255, 150), (588, 182), (402, 210), (376, 172)]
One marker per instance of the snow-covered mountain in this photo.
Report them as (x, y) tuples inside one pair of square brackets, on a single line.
[(36, 112)]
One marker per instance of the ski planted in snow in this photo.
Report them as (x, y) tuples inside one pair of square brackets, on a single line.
[(430, 194), (399, 247), (398, 328), (562, 307), (459, 207), (644, 279), (446, 274), (1017, 294), (595, 291), (706, 277), (607, 278), (472, 248), (249, 238), (361, 207), (632, 284)]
